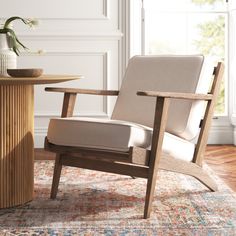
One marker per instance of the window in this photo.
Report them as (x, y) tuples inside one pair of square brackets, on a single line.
[(188, 27)]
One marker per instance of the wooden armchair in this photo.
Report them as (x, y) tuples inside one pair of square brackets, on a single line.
[(141, 137)]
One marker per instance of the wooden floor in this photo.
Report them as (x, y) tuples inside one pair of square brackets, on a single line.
[(222, 159)]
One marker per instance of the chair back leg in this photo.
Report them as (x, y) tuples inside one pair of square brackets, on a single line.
[(56, 176), (206, 123)]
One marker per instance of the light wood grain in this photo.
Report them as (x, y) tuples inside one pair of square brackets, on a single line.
[(105, 166), (83, 91), (187, 168), (44, 79), (189, 96), (56, 176), (16, 137), (68, 104), (106, 160), (160, 120), (140, 156), (220, 158), (88, 153), (206, 123), (16, 145)]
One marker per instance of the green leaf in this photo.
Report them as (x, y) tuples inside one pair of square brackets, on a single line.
[(8, 21)]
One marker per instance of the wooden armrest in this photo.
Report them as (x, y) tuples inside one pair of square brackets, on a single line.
[(83, 91), (190, 96)]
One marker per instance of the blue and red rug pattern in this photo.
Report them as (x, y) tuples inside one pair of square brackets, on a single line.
[(97, 203)]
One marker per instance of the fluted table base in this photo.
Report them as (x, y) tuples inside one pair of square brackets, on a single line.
[(17, 137), (16, 144)]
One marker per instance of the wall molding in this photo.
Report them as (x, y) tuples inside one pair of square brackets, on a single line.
[(104, 14), (99, 34), (57, 115), (105, 80), (71, 53), (62, 37), (105, 9)]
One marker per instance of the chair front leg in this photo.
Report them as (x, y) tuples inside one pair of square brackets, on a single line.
[(160, 120), (68, 104), (56, 176), (67, 111)]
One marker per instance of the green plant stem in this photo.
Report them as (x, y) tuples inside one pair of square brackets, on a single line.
[(8, 21)]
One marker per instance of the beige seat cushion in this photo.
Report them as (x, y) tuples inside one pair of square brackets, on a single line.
[(113, 135)]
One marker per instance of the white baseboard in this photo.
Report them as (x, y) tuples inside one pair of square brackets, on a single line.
[(221, 135), (39, 136)]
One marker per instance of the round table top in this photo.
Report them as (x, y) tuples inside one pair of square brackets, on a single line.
[(43, 79)]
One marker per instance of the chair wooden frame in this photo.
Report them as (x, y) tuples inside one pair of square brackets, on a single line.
[(137, 161)]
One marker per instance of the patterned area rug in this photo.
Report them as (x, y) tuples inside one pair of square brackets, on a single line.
[(97, 203)]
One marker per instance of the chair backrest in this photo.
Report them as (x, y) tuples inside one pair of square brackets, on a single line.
[(183, 74)]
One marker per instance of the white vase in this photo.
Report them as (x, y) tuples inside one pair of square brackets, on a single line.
[(7, 55)]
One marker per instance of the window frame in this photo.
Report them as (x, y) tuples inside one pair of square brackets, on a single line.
[(222, 130)]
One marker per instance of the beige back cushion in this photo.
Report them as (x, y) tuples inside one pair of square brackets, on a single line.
[(169, 74)]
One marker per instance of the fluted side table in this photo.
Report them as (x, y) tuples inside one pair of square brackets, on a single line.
[(17, 137)]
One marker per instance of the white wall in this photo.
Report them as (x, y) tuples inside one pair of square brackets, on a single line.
[(232, 58), (79, 37), (86, 37)]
